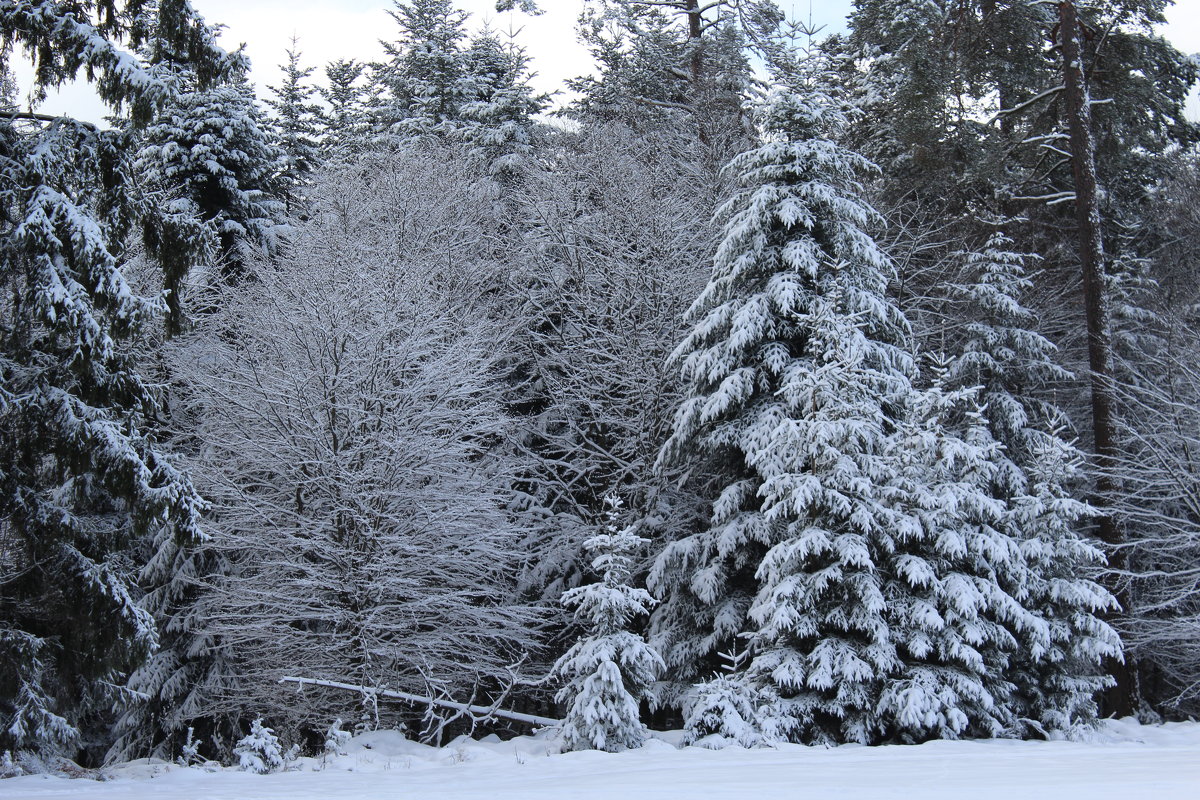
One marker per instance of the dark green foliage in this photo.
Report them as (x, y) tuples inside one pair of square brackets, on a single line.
[(296, 127), (81, 480), (209, 159), (345, 122)]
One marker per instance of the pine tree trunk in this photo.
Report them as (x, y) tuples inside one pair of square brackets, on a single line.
[(1004, 92), (1121, 699), (695, 22), (695, 29)]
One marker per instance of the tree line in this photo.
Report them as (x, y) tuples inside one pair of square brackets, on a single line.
[(778, 386)]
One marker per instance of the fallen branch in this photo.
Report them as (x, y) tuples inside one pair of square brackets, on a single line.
[(516, 716)]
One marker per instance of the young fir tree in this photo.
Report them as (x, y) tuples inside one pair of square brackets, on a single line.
[(211, 158), (609, 669), (296, 125), (726, 706), (259, 751), (80, 479), (420, 88), (1012, 364), (345, 123), (797, 376)]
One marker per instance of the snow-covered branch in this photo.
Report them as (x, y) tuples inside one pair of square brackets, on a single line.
[(484, 712)]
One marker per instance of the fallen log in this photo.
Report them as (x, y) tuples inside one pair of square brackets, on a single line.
[(481, 711)]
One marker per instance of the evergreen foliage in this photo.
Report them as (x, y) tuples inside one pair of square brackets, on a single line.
[(796, 376), (662, 63), (609, 669), (499, 105), (857, 535), (172, 688), (336, 739), (726, 706), (81, 479), (422, 83), (346, 121), (210, 157), (258, 751), (1004, 356), (296, 127)]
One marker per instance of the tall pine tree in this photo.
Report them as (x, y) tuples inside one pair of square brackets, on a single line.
[(797, 374), (296, 126), (420, 86), (81, 480)]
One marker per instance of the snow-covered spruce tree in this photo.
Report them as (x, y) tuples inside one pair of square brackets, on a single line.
[(1012, 366), (209, 157), (856, 537), (726, 706), (889, 593), (174, 685), (420, 87), (1059, 671), (946, 583), (498, 104), (610, 668), (80, 480), (1001, 352), (796, 377), (259, 751), (345, 127), (296, 128), (336, 740)]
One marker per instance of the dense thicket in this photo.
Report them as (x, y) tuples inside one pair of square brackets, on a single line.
[(819, 325)]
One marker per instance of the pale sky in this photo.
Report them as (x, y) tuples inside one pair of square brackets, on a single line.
[(330, 29)]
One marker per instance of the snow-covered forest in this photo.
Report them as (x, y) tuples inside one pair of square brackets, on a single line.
[(769, 387)]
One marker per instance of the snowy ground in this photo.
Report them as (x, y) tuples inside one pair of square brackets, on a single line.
[(1126, 761)]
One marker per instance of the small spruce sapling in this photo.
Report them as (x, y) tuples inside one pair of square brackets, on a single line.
[(336, 739), (259, 751), (189, 754), (726, 706), (608, 670)]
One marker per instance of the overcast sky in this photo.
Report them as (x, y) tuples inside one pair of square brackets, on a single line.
[(330, 29)]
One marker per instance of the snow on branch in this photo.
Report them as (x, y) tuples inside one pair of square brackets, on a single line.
[(1049, 199), (484, 711), (1022, 106)]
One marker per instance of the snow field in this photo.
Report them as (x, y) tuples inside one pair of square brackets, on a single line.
[(1123, 761)]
